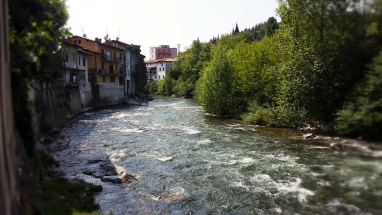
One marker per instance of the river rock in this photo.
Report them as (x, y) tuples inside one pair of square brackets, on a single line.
[(336, 146), (115, 174), (108, 169), (309, 136), (172, 198)]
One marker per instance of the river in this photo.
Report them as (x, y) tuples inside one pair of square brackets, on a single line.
[(217, 166)]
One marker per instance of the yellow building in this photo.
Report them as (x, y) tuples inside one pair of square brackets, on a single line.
[(104, 65)]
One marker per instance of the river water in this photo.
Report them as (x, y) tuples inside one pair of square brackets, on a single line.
[(218, 166)]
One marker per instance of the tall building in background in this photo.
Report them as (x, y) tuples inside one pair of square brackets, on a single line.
[(162, 52)]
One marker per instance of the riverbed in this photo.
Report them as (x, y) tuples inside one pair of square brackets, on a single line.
[(210, 165)]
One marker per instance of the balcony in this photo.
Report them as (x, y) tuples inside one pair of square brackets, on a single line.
[(74, 78), (101, 71), (109, 58)]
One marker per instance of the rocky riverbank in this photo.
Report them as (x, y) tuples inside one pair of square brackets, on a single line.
[(79, 159)]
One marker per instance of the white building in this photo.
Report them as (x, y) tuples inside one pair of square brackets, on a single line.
[(76, 64), (157, 69)]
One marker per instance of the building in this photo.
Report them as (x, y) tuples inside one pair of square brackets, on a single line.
[(163, 52), (75, 64), (157, 69), (104, 66), (132, 67)]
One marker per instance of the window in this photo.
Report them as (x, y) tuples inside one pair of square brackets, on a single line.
[(116, 67), (75, 41), (79, 41), (111, 68), (83, 61), (103, 78), (155, 77), (79, 60), (102, 66), (163, 76), (66, 57), (112, 78), (73, 57)]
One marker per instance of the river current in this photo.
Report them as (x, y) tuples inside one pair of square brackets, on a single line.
[(218, 166)]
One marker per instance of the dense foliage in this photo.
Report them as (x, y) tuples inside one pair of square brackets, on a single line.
[(307, 69), (36, 28)]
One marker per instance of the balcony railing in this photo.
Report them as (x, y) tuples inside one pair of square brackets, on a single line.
[(102, 71), (109, 58), (75, 78)]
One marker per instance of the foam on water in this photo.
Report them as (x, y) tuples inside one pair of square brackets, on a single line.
[(177, 190), (192, 131), (239, 184), (204, 141), (246, 160), (263, 182), (127, 130), (164, 159)]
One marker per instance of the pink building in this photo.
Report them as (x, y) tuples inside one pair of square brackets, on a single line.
[(162, 52)]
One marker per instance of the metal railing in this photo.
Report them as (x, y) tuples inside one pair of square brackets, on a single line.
[(103, 71)]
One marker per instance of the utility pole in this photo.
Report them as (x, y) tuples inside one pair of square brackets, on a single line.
[(179, 48)]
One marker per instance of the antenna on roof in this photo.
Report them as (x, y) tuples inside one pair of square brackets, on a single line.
[(119, 35), (83, 32)]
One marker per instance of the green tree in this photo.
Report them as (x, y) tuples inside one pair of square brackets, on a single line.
[(214, 88), (271, 26), (237, 29), (362, 114), (324, 60), (36, 29)]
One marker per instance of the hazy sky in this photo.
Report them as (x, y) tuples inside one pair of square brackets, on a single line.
[(165, 22)]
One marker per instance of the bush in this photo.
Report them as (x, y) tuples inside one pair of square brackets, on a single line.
[(151, 87), (280, 116)]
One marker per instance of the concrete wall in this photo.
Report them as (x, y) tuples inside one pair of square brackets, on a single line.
[(110, 93), (75, 102), (86, 96)]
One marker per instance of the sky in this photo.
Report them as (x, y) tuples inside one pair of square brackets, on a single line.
[(165, 22)]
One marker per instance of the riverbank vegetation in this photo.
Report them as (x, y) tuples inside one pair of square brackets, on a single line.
[(318, 66), (36, 31)]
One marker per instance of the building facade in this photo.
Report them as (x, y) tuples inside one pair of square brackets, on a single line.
[(133, 68), (75, 64), (157, 69), (163, 52), (105, 63)]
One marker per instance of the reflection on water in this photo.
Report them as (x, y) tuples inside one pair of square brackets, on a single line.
[(225, 167)]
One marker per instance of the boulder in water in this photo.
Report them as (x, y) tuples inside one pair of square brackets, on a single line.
[(309, 136), (172, 198)]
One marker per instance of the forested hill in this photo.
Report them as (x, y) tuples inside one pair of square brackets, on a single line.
[(319, 66)]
